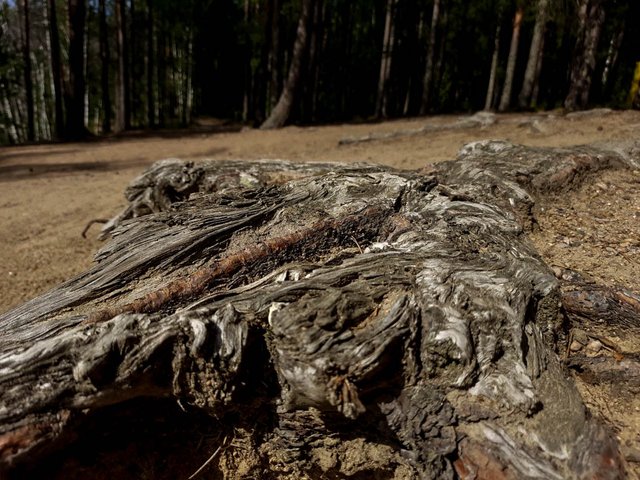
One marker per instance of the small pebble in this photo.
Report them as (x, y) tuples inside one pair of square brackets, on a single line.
[(593, 348)]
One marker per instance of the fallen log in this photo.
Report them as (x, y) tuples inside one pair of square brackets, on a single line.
[(322, 308)]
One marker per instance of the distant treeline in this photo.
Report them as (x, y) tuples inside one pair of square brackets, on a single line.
[(73, 68)]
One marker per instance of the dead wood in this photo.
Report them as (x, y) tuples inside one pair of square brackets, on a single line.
[(600, 305), (592, 309), (333, 308)]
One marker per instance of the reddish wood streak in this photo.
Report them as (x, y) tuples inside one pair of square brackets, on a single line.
[(334, 231)]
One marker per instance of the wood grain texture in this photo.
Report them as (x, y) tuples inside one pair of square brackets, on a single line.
[(324, 300)]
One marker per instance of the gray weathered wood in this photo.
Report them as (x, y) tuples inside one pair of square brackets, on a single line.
[(410, 302)]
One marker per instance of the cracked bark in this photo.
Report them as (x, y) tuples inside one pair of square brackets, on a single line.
[(325, 308)]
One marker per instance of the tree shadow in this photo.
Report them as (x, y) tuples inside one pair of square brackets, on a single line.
[(10, 173), (21, 151)]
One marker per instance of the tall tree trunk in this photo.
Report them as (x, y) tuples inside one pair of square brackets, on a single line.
[(505, 100), (187, 78), (386, 57), (438, 69), (123, 120), (56, 67), (346, 71), (274, 56), (612, 54), (7, 111), (311, 73), (428, 72), (28, 80), (488, 103), (151, 104), (536, 78), (162, 73), (126, 66), (537, 42), (74, 94), (43, 130), (280, 114), (248, 74), (591, 18), (104, 57), (134, 107), (321, 32)]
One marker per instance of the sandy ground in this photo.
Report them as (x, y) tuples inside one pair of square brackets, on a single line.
[(48, 193)]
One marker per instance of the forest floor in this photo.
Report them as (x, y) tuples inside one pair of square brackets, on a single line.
[(48, 193)]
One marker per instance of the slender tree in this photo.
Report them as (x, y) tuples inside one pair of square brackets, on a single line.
[(75, 89), (123, 115), (590, 17), (535, 57), (612, 53), (151, 104), (28, 80), (281, 112), (274, 58), (488, 103), (386, 58), (56, 67), (431, 46), (248, 74), (105, 59), (536, 78), (505, 99)]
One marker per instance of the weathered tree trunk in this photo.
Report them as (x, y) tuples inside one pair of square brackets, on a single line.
[(75, 89), (281, 112), (345, 321), (505, 99), (105, 59), (488, 103), (386, 57), (593, 312), (56, 67), (431, 47), (591, 19), (28, 79), (535, 56)]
